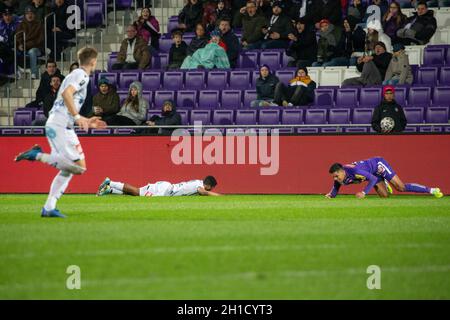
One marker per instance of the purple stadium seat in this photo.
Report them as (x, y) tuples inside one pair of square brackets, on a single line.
[(184, 116), (223, 117), (160, 61), (271, 58), (240, 80), (444, 78), (123, 4), (231, 99), (217, 80), (427, 75), (316, 116), (362, 116), (248, 59), (40, 116), (151, 80), (161, 96), (269, 116), (126, 78), (111, 60), (151, 113), (346, 97), (433, 56), (123, 94), (187, 99), (172, 24), (414, 115), (23, 117), (195, 80), (148, 95), (249, 96), (441, 96), (208, 99), (401, 94), (437, 115), (370, 97), (165, 44), (324, 98), (173, 80), (203, 116), (111, 76), (285, 75), (285, 59), (245, 117), (419, 96), (339, 116), (94, 14), (255, 75), (292, 116)]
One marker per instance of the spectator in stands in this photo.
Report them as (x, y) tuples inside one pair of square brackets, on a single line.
[(191, 14), (221, 12), (420, 27), (134, 109), (389, 108), (345, 48), (329, 37), (8, 26), (265, 88), (278, 28), (147, 27), (178, 51), (236, 6), (299, 92), (327, 9), (230, 40), (399, 70), (303, 47), (34, 44), (169, 117), (73, 66), (106, 102), (55, 83), (252, 25), (373, 68), (63, 33), (39, 5), (213, 55), (199, 41), (393, 20), (44, 88), (133, 53), (302, 9), (375, 34), (355, 12), (383, 5)]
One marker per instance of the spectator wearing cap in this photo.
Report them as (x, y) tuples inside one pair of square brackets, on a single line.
[(420, 27), (373, 68), (106, 101), (178, 51), (34, 39), (265, 88), (279, 27), (231, 41), (399, 70), (389, 108), (39, 6), (133, 53), (329, 37), (252, 26), (169, 117), (303, 47), (299, 92), (8, 26), (190, 15)]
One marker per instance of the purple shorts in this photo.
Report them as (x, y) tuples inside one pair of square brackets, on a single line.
[(384, 170)]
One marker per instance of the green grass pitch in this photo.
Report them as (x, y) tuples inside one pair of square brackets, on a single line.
[(231, 247)]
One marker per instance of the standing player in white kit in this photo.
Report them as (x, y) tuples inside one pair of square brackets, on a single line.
[(67, 154), (160, 188)]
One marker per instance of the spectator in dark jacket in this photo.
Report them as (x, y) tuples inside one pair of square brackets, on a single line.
[(328, 9), (8, 26), (178, 51), (327, 46), (106, 102), (55, 83), (252, 25), (63, 33), (278, 28), (420, 27), (299, 92), (302, 9), (39, 5), (191, 14), (373, 68), (265, 88), (231, 41), (199, 41), (389, 108), (303, 48), (170, 117), (355, 12)]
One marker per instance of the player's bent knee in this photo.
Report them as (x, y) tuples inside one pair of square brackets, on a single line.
[(78, 170)]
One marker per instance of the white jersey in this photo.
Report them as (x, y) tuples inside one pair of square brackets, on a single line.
[(166, 189), (59, 114), (186, 188)]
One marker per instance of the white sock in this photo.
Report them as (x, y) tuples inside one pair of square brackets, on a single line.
[(58, 161), (116, 185), (116, 191), (59, 185)]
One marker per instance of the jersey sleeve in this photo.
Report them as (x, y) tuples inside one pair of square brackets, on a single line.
[(334, 191), (372, 180)]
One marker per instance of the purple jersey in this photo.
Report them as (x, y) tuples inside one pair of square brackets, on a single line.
[(373, 170)]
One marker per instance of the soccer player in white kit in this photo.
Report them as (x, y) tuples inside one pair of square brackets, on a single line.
[(66, 152), (160, 188)]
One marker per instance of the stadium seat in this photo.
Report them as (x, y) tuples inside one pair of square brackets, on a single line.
[(94, 15), (339, 116), (249, 96), (245, 117), (187, 99), (268, 116), (248, 59), (231, 99), (401, 94), (160, 61), (148, 95), (362, 116), (419, 96), (173, 80), (324, 98), (370, 97), (123, 4), (255, 75), (433, 56), (123, 94), (437, 115), (441, 96), (223, 117), (316, 116), (239, 80), (292, 116), (285, 75), (40, 116), (331, 76), (165, 44), (208, 99), (172, 24), (414, 115), (270, 58), (347, 97), (151, 80), (184, 114), (427, 75), (23, 117), (203, 116), (126, 78), (195, 80), (161, 96), (151, 113), (217, 80), (444, 78), (111, 76)]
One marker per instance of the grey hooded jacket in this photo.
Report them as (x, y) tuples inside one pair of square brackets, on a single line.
[(128, 111)]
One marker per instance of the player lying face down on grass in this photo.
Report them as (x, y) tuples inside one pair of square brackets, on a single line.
[(378, 174), (160, 188)]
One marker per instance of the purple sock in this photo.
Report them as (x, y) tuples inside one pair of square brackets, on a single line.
[(414, 187)]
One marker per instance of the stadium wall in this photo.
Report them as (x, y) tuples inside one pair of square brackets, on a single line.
[(303, 163)]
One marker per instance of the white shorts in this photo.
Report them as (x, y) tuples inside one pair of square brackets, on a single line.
[(65, 142), (157, 189)]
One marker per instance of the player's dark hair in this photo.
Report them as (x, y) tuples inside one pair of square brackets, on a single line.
[(335, 167), (422, 3), (50, 61), (210, 181)]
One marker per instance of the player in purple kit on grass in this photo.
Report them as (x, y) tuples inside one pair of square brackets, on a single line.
[(375, 171)]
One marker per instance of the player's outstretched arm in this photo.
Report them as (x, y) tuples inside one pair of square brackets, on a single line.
[(67, 95), (203, 192)]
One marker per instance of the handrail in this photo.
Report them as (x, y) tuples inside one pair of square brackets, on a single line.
[(54, 36), (8, 96), (114, 12), (15, 55), (101, 45)]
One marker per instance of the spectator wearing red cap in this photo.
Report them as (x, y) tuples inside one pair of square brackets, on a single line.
[(327, 46), (389, 108)]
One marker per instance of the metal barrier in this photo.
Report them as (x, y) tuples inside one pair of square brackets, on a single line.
[(54, 36), (101, 45), (8, 97), (15, 55)]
